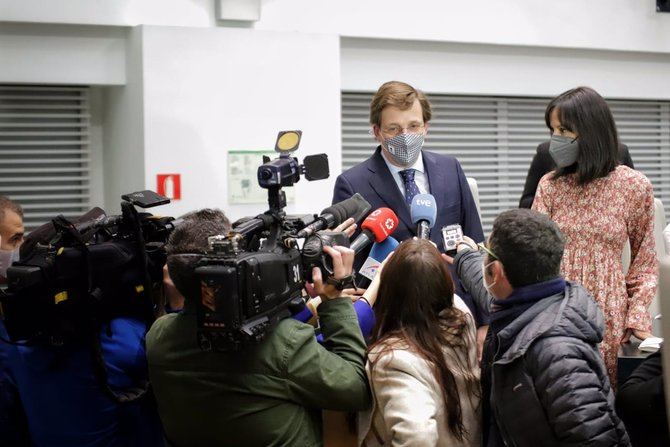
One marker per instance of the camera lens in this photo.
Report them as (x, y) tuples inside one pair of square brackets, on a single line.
[(266, 174)]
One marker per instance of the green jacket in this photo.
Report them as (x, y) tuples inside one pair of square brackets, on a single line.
[(268, 395)]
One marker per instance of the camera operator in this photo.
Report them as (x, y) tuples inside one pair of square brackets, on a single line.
[(11, 234), (267, 394), (13, 430), (57, 391)]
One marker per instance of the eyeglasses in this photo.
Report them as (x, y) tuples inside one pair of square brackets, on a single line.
[(397, 130), (484, 251)]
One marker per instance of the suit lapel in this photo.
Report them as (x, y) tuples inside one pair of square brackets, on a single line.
[(382, 181), (437, 183)]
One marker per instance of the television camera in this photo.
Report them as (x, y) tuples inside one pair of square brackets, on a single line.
[(72, 277), (254, 275)]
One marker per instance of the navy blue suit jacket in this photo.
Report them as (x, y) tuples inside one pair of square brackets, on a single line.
[(455, 204)]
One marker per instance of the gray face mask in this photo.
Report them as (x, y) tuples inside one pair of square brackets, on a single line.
[(405, 148), (564, 150), (7, 258)]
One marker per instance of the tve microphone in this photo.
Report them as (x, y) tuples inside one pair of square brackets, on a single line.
[(355, 206), (424, 212), (378, 252), (376, 227)]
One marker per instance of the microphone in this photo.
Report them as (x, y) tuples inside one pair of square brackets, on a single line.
[(424, 212), (355, 206), (376, 227), (378, 252)]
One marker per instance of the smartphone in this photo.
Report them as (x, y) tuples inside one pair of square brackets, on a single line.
[(451, 236)]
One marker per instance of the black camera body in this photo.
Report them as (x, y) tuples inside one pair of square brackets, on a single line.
[(245, 295), (248, 292), (74, 277)]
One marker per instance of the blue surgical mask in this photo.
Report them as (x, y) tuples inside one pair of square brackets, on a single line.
[(563, 150), (7, 258)]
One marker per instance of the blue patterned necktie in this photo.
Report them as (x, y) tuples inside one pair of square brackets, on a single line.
[(411, 189)]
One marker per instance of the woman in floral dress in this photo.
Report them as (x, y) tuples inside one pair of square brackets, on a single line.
[(599, 205)]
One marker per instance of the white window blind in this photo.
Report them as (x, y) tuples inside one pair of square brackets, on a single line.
[(44, 150), (495, 139)]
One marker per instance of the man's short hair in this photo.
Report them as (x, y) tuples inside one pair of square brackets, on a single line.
[(529, 245), (400, 95), (190, 237), (8, 204)]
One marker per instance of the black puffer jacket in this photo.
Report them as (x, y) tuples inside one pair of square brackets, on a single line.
[(549, 387)]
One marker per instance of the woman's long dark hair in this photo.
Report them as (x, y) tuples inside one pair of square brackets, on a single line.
[(583, 111), (415, 308)]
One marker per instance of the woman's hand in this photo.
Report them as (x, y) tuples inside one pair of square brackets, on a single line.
[(354, 294), (371, 292), (642, 335)]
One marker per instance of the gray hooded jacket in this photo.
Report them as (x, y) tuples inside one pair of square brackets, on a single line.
[(549, 386)]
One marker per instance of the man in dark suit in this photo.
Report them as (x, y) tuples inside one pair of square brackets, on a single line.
[(543, 163), (399, 169)]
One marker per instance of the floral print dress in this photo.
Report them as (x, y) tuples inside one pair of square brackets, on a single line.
[(597, 219)]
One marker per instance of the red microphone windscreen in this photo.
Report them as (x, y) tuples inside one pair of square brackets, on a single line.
[(382, 222)]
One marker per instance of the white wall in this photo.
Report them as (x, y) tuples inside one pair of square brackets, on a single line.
[(110, 12), (627, 25), (123, 135), (205, 93), (58, 54), (630, 25), (476, 69), (176, 99)]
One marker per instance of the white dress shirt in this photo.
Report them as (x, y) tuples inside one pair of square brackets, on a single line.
[(420, 177)]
